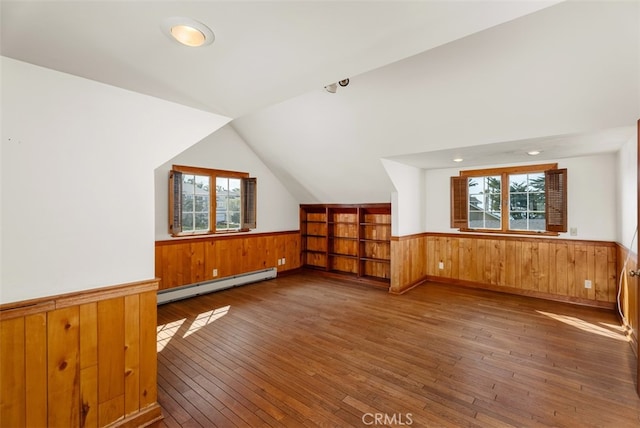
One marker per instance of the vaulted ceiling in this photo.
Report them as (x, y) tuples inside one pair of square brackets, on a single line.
[(429, 80)]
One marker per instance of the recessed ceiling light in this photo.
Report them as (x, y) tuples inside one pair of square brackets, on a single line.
[(458, 160), (187, 31), (533, 153)]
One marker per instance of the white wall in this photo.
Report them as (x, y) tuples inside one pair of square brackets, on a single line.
[(591, 188), (408, 200), (225, 149), (77, 179), (627, 191)]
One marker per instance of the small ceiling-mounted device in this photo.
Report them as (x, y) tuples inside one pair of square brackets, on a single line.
[(332, 88)]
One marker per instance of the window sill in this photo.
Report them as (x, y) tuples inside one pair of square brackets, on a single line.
[(510, 232), (205, 234)]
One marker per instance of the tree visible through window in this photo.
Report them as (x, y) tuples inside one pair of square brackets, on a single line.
[(518, 199), (205, 200), (527, 201), (227, 203), (485, 201), (195, 202)]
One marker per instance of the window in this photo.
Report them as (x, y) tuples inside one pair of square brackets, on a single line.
[(203, 201), (195, 203), (526, 202), (527, 199), (227, 203), (484, 202)]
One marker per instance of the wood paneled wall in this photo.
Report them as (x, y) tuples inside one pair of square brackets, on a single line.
[(547, 268), (629, 293), (408, 262), (85, 359), (189, 261)]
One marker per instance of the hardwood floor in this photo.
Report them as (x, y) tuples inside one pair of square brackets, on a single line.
[(303, 350)]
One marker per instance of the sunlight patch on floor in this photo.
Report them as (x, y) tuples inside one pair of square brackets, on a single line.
[(585, 326), (206, 318), (167, 331)]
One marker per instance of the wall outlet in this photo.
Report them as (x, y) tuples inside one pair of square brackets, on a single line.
[(215, 272), (573, 231), (441, 265), (587, 283), (279, 262), (284, 261)]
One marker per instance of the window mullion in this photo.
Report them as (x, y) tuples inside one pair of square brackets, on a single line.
[(192, 214), (504, 193), (227, 208), (213, 202)]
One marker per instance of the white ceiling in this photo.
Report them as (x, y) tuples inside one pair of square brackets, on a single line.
[(548, 148), (264, 51), (430, 80)]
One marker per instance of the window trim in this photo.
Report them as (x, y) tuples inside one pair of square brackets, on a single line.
[(459, 199), (247, 200)]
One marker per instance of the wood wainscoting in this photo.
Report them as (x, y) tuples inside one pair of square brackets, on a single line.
[(548, 268), (408, 262), (184, 261), (629, 294), (85, 359)]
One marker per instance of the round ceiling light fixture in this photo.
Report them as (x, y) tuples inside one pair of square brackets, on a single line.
[(533, 152), (458, 160), (187, 31)]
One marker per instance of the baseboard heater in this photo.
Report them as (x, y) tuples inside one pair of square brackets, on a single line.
[(192, 290)]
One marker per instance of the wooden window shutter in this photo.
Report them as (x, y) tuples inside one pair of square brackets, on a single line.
[(556, 200), (175, 202), (249, 198), (459, 203)]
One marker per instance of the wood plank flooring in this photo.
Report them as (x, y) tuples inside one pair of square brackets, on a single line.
[(307, 351)]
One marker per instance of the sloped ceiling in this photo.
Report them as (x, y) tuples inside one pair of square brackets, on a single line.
[(428, 80)]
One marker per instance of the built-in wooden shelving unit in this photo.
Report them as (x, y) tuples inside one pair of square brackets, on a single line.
[(352, 240)]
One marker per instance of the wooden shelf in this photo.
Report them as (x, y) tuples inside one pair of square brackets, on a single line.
[(348, 256), (353, 240)]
